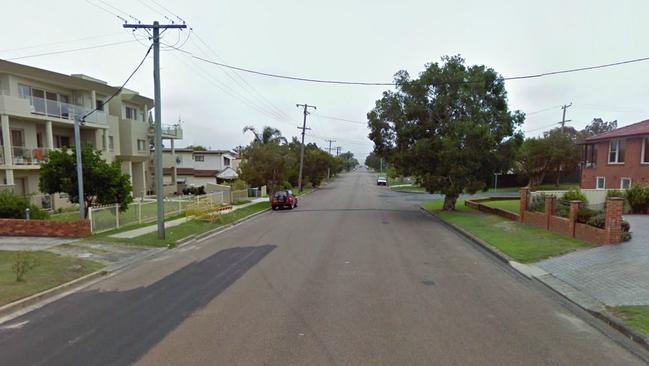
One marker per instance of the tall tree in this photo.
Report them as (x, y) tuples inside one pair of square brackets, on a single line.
[(563, 152), (265, 164), (451, 128), (196, 147), (103, 182), (598, 126), (267, 135), (533, 160)]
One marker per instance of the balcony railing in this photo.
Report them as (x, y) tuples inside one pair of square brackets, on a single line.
[(22, 155), (53, 108), (169, 130)]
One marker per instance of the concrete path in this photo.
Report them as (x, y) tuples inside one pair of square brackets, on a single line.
[(354, 276), (31, 242), (152, 228), (613, 274), (108, 254)]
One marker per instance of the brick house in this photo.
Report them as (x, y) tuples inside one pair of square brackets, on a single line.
[(616, 159)]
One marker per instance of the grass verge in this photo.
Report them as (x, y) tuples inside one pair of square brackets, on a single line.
[(175, 233), (637, 317), (507, 205), (523, 243), (50, 270)]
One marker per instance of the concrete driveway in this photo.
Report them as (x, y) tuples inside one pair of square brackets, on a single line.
[(31, 242), (613, 274)]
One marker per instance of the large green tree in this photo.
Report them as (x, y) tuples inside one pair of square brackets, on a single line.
[(450, 128), (373, 161), (267, 135), (103, 182), (533, 160)]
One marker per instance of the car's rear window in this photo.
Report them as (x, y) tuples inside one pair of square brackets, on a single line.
[(280, 194)]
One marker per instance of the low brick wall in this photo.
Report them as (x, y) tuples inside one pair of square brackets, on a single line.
[(560, 225), (475, 204), (536, 219), (67, 229), (590, 234)]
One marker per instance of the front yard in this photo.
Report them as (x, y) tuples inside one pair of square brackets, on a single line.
[(507, 205), (50, 270), (522, 243)]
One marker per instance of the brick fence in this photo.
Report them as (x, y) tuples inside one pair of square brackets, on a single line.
[(611, 234), (70, 229), (477, 204)]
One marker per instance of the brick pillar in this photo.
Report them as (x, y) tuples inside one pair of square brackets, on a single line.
[(574, 207), (525, 196), (549, 209), (613, 226)]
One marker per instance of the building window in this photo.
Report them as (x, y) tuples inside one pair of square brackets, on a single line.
[(99, 105), (61, 141), (226, 161), (645, 150), (625, 183), (111, 145), (131, 113), (25, 92), (601, 183), (616, 151), (199, 157), (141, 145)]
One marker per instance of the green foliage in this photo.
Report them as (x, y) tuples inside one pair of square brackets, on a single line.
[(266, 164), (268, 135), (574, 194), (638, 198), (23, 262), (13, 206), (598, 126), (585, 214), (239, 184), (537, 204), (563, 152), (615, 193), (450, 136), (196, 147), (195, 191), (533, 161), (103, 182), (598, 220), (373, 161)]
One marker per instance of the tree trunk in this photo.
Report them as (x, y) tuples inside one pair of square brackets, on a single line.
[(449, 202)]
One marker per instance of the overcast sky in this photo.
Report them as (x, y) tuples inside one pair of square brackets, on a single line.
[(366, 40)]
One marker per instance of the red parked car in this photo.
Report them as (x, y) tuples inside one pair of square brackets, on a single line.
[(283, 198)]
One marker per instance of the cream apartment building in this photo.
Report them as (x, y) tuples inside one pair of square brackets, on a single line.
[(37, 108)]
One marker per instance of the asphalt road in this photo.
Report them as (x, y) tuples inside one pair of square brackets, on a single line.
[(356, 275)]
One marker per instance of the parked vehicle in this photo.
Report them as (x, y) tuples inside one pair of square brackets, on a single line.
[(381, 181), (283, 198)]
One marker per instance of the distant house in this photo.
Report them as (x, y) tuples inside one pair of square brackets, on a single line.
[(616, 159), (191, 167)]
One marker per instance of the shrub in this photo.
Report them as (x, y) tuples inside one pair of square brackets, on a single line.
[(638, 198), (615, 193), (23, 262), (196, 191), (562, 209), (538, 203), (13, 207), (574, 194), (598, 221), (625, 236), (239, 184), (626, 226), (585, 214)]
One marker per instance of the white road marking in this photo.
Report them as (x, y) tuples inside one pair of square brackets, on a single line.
[(14, 326)]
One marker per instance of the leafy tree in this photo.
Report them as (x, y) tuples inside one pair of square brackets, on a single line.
[(265, 164), (267, 135), (598, 126), (103, 182), (451, 128), (373, 160), (563, 151), (348, 161), (533, 160)]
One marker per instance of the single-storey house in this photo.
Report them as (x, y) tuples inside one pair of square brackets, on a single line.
[(616, 159)]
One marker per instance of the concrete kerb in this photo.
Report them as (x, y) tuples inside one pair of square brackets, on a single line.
[(610, 319), (15, 306)]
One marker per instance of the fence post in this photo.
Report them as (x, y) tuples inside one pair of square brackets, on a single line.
[(139, 212), (180, 206), (90, 209), (117, 216), (613, 225), (525, 196), (574, 208), (549, 209)]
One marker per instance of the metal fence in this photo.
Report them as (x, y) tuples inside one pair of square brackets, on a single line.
[(104, 218), (240, 195)]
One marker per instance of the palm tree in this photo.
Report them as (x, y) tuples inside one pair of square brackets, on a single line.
[(268, 135)]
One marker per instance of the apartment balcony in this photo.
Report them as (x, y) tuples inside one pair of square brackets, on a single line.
[(168, 131), (29, 156), (36, 106)]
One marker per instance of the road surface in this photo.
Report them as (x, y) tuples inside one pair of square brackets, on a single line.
[(356, 275)]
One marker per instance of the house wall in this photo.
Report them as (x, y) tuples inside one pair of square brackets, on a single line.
[(631, 168)]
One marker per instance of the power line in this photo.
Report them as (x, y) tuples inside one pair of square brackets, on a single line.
[(71, 50), (121, 87), (60, 42), (341, 119), (108, 11)]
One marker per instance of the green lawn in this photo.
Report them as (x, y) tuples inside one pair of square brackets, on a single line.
[(50, 270), (181, 231), (637, 317), (543, 187), (523, 243), (507, 205)]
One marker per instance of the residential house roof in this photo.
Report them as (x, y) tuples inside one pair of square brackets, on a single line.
[(636, 129), (219, 152)]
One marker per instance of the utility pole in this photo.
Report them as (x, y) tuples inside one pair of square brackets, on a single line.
[(77, 148), (156, 26), (303, 128), (563, 120), (338, 150), (330, 141)]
